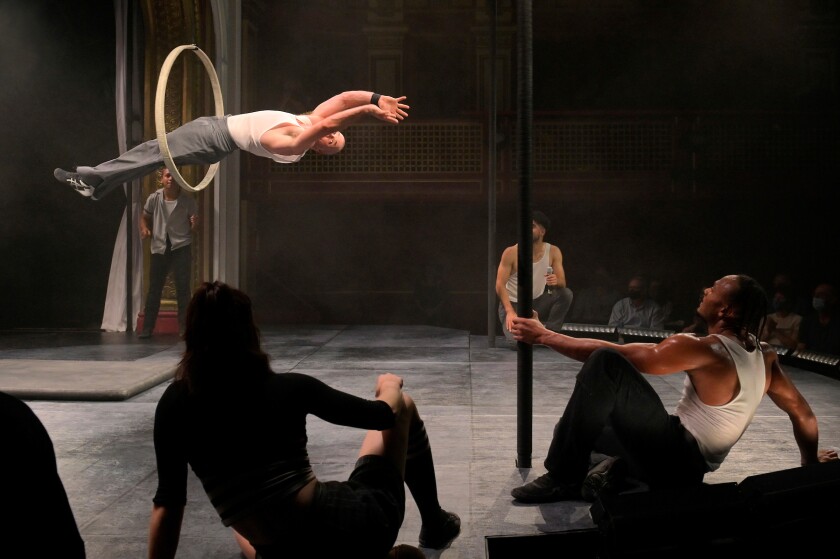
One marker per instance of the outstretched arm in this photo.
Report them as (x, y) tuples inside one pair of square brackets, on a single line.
[(293, 140), (352, 99), (680, 352)]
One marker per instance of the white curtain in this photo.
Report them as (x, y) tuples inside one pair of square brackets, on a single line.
[(114, 316)]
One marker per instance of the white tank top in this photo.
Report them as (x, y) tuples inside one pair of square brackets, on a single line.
[(247, 129), (718, 428), (540, 268)]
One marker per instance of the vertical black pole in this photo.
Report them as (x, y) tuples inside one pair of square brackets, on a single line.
[(134, 119), (128, 91), (492, 313), (525, 380), (134, 92)]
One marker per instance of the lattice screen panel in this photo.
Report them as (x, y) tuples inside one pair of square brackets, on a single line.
[(405, 148), (604, 146), (745, 145)]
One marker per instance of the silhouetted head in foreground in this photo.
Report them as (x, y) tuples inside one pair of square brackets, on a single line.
[(222, 340)]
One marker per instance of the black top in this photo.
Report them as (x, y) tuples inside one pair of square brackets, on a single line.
[(248, 446), (37, 510)]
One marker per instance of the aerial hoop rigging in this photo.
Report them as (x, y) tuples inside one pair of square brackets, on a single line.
[(160, 124)]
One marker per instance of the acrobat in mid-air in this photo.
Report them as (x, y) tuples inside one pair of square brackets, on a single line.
[(277, 135)]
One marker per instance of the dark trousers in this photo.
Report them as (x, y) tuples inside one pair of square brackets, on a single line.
[(612, 396), (179, 262), (552, 307)]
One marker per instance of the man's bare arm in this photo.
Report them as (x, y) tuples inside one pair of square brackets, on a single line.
[(787, 397), (502, 276), (680, 352), (351, 99), (291, 140), (557, 266)]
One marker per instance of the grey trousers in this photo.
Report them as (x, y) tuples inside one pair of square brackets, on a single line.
[(552, 309), (202, 141)]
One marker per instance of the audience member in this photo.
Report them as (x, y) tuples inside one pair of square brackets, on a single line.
[(820, 328), (551, 297), (594, 302), (660, 292), (782, 325), (637, 309), (242, 429), (37, 513), (727, 375), (801, 302)]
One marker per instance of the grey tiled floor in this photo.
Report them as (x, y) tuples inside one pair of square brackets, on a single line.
[(465, 390)]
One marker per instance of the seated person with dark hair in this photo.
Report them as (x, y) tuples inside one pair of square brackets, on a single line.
[(637, 310), (728, 373), (594, 301), (820, 329), (782, 325), (242, 429)]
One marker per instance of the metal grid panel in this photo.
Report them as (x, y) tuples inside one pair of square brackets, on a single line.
[(415, 148), (747, 145), (603, 146)]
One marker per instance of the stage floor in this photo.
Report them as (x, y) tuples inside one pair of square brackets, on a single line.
[(465, 390)]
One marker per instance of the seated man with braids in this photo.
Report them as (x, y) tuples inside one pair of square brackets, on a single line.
[(728, 372)]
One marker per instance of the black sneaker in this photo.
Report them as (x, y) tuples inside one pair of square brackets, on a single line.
[(74, 180), (144, 335), (546, 489), (605, 477), (440, 536)]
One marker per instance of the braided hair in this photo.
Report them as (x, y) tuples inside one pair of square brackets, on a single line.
[(750, 304)]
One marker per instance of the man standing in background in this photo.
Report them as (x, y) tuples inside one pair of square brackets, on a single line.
[(169, 218)]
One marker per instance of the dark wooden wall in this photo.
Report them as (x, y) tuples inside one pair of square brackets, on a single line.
[(686, 139), (685, 142)]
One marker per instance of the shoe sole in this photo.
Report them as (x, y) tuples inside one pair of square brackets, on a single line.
[(63, 176), (565, 494), (604, 478)]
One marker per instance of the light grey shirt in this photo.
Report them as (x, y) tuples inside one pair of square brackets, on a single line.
[(176, 225), (625, 315)]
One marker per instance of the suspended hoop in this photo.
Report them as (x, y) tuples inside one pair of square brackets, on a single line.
[(160, 124)]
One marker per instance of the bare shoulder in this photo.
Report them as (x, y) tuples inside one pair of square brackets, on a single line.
[(690, 342), (692, 337), (769, 352), (766, 348), (510, 253)]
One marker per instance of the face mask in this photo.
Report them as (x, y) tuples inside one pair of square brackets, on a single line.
[(819, 303), (634, 294), (778, 305)]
